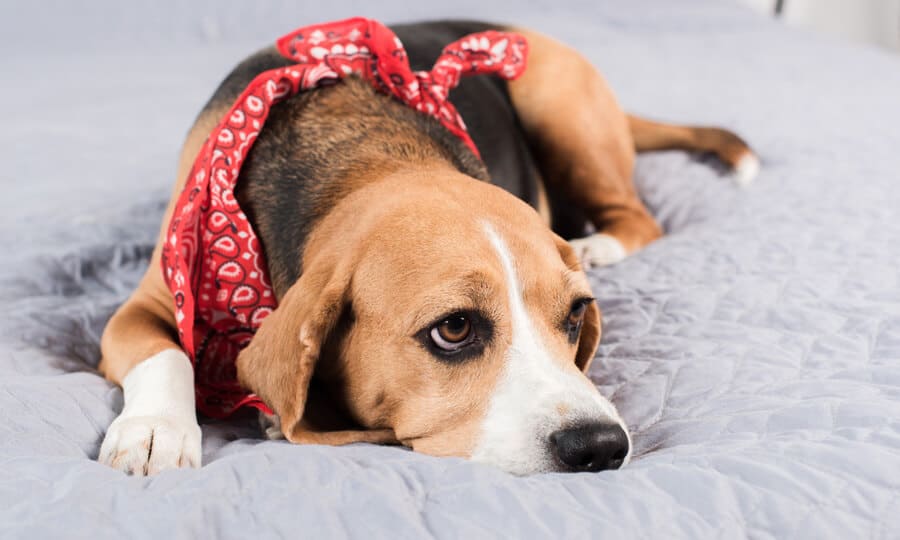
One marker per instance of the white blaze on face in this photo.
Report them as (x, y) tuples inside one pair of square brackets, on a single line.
[(534, 396)]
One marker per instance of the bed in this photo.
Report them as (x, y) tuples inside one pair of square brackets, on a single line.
[(754, 351)]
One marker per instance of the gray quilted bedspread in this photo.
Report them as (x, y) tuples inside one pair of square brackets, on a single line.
[(754, 351)]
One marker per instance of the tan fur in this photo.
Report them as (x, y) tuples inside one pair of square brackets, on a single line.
[(724, 144), (582, 138), (145, 324)]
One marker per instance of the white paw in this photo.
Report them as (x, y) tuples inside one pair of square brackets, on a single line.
[(746, 170), (598, 250), (158, 428), (271, 426), (146, 445)]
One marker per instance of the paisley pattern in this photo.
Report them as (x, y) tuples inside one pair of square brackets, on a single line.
[(211, 259)]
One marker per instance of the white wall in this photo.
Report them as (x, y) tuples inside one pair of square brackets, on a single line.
[(764, 6), (872, 21)]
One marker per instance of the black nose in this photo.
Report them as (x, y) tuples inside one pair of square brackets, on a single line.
[(590, 447)]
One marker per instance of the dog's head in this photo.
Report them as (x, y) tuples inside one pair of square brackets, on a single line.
[(449, 313)]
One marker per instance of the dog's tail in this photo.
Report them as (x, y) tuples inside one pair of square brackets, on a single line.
[(730, 148)]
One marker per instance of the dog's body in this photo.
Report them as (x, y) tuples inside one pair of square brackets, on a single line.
[(384, 234)]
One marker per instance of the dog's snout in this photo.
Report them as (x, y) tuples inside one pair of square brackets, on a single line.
[(590, 447)]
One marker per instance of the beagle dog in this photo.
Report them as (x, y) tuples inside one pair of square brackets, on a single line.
[(426, 297)]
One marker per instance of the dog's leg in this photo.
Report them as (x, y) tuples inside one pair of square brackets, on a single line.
[(728, 147), (586, 146), (157, 428)]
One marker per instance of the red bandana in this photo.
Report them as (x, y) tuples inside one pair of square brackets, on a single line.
[(211, 259)]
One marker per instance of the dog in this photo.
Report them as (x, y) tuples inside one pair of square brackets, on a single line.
[(426, 297)]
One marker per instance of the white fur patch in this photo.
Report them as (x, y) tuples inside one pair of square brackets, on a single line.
[(157, 428), (746, 170), (598, 250), (534, 396)]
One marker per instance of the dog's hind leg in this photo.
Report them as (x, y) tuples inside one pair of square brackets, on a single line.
[(728, 147), (585, 144)]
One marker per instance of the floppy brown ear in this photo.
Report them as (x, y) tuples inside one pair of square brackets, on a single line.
[(589, 339), (279, 362)]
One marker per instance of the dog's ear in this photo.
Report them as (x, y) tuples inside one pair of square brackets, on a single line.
[(589, 339), (279, 362)]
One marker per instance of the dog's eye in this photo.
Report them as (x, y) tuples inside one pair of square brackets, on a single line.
[(577, 313), (576, 317), (457, 336), (452, 333)]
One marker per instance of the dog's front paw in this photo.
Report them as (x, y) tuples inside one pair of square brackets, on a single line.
[(598, 250), (145, 445), (158, 428)]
